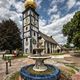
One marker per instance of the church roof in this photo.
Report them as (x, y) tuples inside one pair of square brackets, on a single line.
[(47, 38)]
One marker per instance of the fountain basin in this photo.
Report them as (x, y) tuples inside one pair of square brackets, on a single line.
[(39, 50), (39, 57), (52, 73), (39, 64)]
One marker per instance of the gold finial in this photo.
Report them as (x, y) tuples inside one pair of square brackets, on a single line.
[(30, 3)]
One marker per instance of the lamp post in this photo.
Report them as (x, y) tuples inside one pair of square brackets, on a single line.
[(8, 60), (7, 67)]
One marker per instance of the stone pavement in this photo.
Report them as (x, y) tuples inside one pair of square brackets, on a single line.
[(16, 65), (20, 62)]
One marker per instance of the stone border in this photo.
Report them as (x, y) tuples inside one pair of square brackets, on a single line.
[(53, 76)]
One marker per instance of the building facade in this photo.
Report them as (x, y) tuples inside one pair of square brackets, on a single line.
[(31, 30), (48, 43)]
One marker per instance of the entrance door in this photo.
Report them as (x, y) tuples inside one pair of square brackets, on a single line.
[(48, 50), (34, 52)]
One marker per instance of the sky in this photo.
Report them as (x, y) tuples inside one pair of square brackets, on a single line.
[(53, 15)]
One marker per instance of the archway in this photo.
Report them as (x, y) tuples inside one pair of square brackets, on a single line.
[(34, 52), (48, 50)]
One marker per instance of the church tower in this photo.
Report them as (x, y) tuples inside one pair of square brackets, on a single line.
[(30, 26)]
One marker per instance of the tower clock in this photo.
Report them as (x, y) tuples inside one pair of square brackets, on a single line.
[(30, 26)]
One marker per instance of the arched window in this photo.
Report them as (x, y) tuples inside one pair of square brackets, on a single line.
[(34, 33), (26, 41), (26, 28)]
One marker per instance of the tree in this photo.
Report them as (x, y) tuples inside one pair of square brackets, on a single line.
[(9, 35), (72, 30)]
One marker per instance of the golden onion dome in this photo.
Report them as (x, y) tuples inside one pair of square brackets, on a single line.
[(30, 3)]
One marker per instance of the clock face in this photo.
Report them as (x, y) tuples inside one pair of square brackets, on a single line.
[(27, 20)]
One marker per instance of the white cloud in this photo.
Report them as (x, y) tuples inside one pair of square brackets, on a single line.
[(42, 22), (52, 9), (54, 17), (19, 6), (39, 3), (53, 2), (71, 3), (55, 28), (6, 13), (4, 3), (60, 39), (78, 3)]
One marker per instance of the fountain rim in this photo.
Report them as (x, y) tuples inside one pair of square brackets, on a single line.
[(56, 70), (39, 57)]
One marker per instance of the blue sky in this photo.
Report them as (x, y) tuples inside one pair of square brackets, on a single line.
[(53, 14)]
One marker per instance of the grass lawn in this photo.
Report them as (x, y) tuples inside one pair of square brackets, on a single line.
[(72, 66)]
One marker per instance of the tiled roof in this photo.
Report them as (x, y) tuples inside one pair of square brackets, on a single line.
[(47, 38)]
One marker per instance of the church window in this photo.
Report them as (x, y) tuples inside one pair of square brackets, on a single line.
[(26, 28), (34, 33), (26, 39), (26, 49)]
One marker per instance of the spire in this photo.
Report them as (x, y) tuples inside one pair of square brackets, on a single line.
[(30, 4)]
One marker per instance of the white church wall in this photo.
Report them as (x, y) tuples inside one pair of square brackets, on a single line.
[(26, 34), (26, 45)]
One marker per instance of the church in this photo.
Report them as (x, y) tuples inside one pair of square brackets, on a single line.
[(31, 33)]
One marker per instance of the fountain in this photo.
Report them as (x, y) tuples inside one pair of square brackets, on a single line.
[(39, 70), (39, 58)]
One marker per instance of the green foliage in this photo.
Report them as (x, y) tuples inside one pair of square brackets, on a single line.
[(9, 35), (72, 30), (76, 40)]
